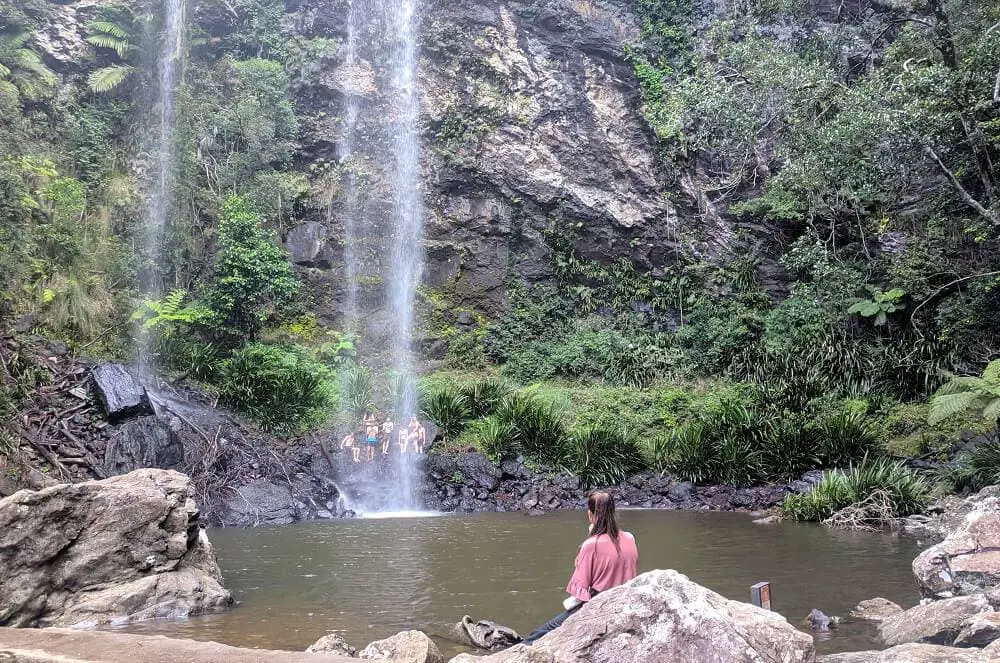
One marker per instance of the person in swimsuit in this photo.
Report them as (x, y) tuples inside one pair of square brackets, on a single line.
[(404, 436), (349, 441), (607, 558), (387, 427), (371, 435)]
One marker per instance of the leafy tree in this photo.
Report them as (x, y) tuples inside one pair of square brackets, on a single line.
[(253, 278), (961, 394)]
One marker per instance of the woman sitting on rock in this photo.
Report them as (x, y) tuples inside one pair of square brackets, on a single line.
[(608, 558)]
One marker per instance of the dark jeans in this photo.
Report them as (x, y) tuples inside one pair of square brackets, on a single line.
[(551, 625)]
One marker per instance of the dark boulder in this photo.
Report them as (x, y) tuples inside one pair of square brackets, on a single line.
[(306, 244), (120, 393), (143, 442), (480, 470), (681, 492)]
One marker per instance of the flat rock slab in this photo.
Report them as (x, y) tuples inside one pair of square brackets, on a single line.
[(54, 645), (937, 623), (120, 393)]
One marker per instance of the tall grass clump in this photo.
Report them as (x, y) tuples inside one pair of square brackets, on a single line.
[(845, 437), (873, 494), (484, 396), (603, 456), (448, 408), (742, 443), (357, 391)]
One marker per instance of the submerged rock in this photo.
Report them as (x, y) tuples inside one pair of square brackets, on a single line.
[(875, 610), (123, 549), (485, 634), (818, 620), (663, 616), (937, 623), (404, 647), (120, 394)]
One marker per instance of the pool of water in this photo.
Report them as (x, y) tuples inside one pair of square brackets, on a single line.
[(370, 578)]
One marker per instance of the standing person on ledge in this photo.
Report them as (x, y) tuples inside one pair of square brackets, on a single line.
[(607, 558)]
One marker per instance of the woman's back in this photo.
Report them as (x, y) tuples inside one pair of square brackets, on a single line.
[(601, 565)]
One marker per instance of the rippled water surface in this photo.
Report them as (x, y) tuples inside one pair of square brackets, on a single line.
[(369, 579)]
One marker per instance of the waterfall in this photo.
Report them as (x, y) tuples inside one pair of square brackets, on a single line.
[(162, 147), (407, 253), (382, 219)]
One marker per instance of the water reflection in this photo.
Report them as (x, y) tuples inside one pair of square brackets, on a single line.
[(368, 579)]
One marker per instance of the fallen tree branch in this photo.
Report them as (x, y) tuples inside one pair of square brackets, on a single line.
[(962, 192), (937, 292)]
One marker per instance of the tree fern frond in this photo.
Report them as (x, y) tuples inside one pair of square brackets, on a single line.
[(109, 28), (119, 46), (14, 40), (944, 406), (172, 302), (962, 384), (992, 410), (108, 78), (992, 372)]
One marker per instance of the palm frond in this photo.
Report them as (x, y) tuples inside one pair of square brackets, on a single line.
[(108, 78)]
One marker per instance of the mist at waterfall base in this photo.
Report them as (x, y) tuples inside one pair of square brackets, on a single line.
[(380, 131)]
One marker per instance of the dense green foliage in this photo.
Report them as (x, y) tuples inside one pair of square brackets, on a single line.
[(869, 495)]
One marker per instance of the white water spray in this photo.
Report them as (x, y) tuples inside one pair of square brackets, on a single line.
[(170, 54)]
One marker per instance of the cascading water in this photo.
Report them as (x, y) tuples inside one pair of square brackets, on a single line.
[(382, 215), (162, 148), (406, 250)]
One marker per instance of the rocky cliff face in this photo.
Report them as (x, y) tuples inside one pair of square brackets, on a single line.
[(531, 122)]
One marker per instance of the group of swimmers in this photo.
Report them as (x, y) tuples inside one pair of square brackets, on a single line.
[(413, 435)]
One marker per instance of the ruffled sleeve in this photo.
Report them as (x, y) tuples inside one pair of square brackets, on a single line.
[(581, 581)]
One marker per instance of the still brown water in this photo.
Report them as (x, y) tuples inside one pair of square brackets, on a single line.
[(368, 579)]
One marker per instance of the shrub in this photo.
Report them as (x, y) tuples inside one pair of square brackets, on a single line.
[(603, 456), (448, 408), (689, 453), (872, 494), (279, 387), (253, 278), (976, 469)]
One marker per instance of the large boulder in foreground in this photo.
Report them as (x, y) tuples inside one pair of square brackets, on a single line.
[(123, 549), (968, 560), (937, 623), (911, 653), (663, 616)]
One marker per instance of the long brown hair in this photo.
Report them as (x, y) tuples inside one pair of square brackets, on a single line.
[(602, 505)]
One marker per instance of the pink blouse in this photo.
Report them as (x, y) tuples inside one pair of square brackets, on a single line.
[(602, 566)]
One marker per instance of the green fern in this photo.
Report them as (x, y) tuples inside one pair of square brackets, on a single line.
[(170, 309), (961, 394), (108, 78), (24, 67), (110, 36)]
